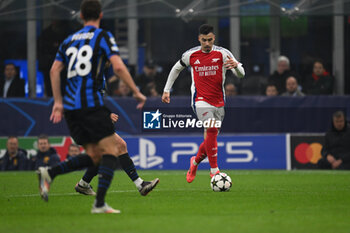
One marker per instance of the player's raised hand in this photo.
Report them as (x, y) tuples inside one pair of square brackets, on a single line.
[(230, 63), (141, 99), (57, 113), (114, 117), (166, 97)]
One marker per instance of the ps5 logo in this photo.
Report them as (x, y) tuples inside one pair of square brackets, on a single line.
[(147, 157), (237, 152), (246, 154)]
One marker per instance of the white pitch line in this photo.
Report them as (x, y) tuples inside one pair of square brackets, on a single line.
[(68, 194), (76, 194)]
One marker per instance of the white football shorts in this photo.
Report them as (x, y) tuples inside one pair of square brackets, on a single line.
[(205, 111)]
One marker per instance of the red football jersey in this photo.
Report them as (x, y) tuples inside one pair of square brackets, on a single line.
[(208, 74)]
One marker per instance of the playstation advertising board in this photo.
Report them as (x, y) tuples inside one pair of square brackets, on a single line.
[(174, 152), (234, 152)]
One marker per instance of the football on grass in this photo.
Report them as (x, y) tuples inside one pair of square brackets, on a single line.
[(221, 182)]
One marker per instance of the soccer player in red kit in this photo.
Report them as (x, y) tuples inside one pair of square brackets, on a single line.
[(209, 64)]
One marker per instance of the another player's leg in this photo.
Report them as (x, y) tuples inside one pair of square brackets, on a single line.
[(211, 146), (128, 166), (195, 160), (46, 175), (83, 186), (144, 187)]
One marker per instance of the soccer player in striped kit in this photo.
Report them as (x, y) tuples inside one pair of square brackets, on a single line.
[(209, 64), (84, 55)]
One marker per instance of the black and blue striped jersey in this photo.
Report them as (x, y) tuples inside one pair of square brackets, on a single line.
[(84, 55)]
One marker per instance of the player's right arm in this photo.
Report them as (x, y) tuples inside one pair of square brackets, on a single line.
[(57, 109), (122, 72), (174, 73)]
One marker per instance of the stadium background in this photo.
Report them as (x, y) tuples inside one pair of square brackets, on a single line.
[(256, 31), (259, 132)]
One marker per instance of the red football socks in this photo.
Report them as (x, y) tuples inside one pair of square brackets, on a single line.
[(211, 146), (201, 154)]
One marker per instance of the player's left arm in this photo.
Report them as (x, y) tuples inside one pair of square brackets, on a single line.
[(232, 64), (122, 72), (57, 109), (111, 50)]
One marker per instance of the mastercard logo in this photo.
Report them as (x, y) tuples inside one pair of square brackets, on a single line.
[(308, 153)]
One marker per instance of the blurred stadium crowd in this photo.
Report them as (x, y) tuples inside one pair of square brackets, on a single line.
[(305, 37)]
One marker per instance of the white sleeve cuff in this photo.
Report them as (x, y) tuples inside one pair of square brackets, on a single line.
[(238, 71)]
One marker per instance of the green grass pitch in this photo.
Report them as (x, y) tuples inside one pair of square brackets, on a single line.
[(259, 201)]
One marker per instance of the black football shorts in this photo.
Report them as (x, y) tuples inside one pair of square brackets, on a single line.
[(89, 125)]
